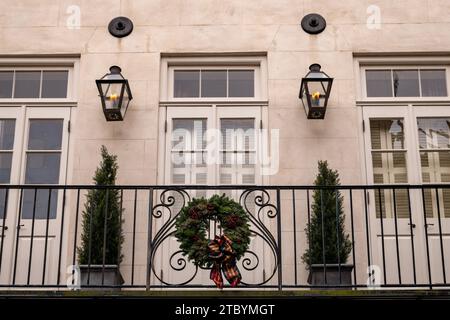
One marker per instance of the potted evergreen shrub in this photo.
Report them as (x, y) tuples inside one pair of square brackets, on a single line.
[(99, 255), (329, 245)]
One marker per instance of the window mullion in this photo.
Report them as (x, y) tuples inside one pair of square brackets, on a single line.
[(40, 84), (227, 83), (200, 83), (13, 84), (392, 83), (419, 76)]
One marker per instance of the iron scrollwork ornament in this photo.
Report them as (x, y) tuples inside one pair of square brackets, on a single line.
[(221, 253)]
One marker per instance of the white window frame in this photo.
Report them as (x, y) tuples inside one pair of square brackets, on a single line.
[(169, 62), (213, 114), (23, 114), (23, 109), (258, 63), (410, 109), (434, 105), (362, 63), (391, 68), (70, 64)]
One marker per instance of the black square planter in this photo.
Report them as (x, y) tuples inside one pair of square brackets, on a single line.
[(97, 281), (334, 278)]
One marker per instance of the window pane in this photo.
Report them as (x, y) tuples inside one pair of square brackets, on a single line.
[(406, 83), (387, 134), (434, 133), (241, 83), (5, 166), (45, 134), (214, 83), (27, 84), (186, 84), (389, 167), (433, 83), (188, 156), (41, 204), (189, 134), (237, 134), (237, 156), (42, 168), (54, 84), (379, 83), (6, 81), (436, 169), (2, 203), (5, 174), (7, 127)]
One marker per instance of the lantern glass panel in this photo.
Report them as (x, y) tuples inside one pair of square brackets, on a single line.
[(317, 92), (125, 101), (304, 97), (111, 94)]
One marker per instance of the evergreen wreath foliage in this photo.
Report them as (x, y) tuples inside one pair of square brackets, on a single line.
[(193, 221)]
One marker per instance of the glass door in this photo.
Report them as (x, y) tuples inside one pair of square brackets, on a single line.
[(34, 144), (11, 133), (433, 151), (211, 145), (395, 219)]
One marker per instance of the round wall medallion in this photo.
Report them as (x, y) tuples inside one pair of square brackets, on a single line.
[(313, 23), (120, 27)]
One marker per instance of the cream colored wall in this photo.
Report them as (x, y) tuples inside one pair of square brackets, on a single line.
[(32, 27)]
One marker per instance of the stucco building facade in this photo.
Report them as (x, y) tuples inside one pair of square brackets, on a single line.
[(365, 45)]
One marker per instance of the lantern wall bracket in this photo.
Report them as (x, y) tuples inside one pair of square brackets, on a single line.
[(120, 27), (313, 23)]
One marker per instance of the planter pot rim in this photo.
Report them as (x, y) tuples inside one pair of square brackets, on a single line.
[(96, 266), (332, 265), (333, 270), (98, 269)]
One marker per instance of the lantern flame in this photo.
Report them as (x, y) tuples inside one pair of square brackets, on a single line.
[(113, 96), (316, 95)]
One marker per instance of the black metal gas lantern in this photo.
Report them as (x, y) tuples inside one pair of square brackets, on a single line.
[(115, 94), (314, 92)]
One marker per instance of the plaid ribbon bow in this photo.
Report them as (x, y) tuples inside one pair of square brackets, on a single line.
[(221, 251)]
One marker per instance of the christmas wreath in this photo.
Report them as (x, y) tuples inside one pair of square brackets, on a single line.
[(221, 253)]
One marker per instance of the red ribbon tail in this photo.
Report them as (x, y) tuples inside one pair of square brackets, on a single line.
[(216, 276), (235, 282)]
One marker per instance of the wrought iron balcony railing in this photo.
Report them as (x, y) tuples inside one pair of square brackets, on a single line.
[(399, 236)]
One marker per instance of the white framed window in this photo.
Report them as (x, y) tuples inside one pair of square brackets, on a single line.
[(405, 81), (405, 109), (35, 143), (36, 100), (38, 81), (213, 82), (401, 79), (192, 159), (214, 79)]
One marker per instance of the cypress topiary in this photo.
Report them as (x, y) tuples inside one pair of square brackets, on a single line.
[(331, 235), (101, 202)]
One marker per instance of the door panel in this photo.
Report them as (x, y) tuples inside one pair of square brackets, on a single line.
[(11, 142), (433, 149), (238, 152), (34, 215), (207, 146), (422, 226), (397, 240)]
